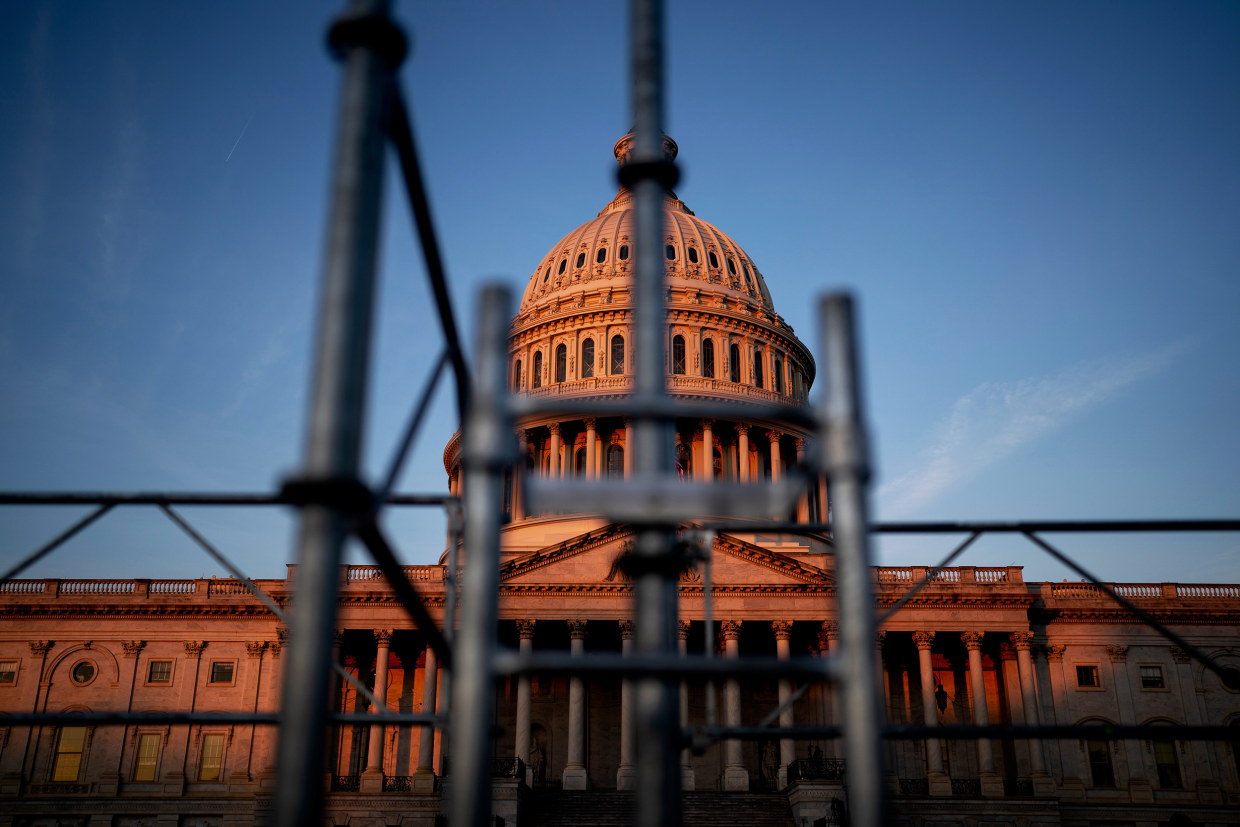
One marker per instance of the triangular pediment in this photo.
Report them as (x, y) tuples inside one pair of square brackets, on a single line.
[(594, 559)]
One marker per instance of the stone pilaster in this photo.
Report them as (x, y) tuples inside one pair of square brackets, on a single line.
[(735, 776), (575, 776)]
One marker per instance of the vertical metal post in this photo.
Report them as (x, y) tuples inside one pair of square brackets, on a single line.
[(654, 591), (337, 406), (489, 444), (846, 463)]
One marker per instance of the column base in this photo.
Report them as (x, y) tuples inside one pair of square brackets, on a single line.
[(1044, 786), (626, 776), (687, 781), (575, 777), (939, 783), (371, 781), (781, 780), (992, 784), (736, 779), (423, 781)]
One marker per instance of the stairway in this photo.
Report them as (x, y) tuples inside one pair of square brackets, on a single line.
[(600, 808)]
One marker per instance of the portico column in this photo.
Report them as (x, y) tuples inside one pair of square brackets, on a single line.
[(525, 633), (1022, 642), (575, 777), (591, 448), (828, 697), (939, 783), (787, 749), (554, 427), (424, 775), (374, 751), (776, 467), (708, 452), (803, 500), (626, 774), (686, 769), (628, 447), (735, 776), (518, 476), (977, 682), (742, 448)]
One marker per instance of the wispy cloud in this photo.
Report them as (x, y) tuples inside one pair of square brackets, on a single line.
[(997, 419)]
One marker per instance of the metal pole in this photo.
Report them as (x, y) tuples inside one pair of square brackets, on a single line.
[(846, 463), (489, 444), (337, 406)]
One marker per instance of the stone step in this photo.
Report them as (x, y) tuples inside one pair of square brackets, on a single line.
[(608, 808)]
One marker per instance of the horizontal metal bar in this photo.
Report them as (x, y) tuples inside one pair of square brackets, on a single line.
[(665, 409), (205, 718), (661, 500), (184, 498), (918, 732), (811, 669), (992, 527)]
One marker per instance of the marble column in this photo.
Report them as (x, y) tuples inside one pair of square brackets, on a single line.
[(1023, 642), (525, 633), (735, 776), (627, 773), (787, 747), (686, 768), (424, 775), (518, 475), (977, 682), (554, 427), (372, 778), (939, 782), (628, 447), (575, 776), (803, 500), (742, 449), (777, 470), (591, 447), (708, 452)]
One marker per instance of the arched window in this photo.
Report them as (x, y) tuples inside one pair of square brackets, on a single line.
[(516, 376), (731, 266), (617, 355), (684, 462), (678, 355), (615, 461), (734, 363), (601, 256), (708, 358), (579, 462), (563, 264), (779, 375), (536, 379), (1166, 762), (587, 359), (757, 367), (561, 363), (714, 260), (693, 256), (581, 260), (624, 252), (547, 274), (670, 252), (1101, 774)]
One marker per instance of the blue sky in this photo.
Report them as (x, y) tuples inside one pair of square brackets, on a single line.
[(1037, 205)]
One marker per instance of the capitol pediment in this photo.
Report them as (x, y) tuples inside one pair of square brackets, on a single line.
[(597, 560)]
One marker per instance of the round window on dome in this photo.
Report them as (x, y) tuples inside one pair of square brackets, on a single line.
[(83, 672)]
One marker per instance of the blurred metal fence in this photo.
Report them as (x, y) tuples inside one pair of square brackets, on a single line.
[(335, 504)]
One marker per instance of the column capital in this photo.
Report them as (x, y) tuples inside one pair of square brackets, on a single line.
[(708, 423), (879, 638), (800, 444), (282, 633), (730, 629), (1179, 654), (577, 629), (972, 640), (1054, 651), (193, 648), (682, 627), (1023, 641), (626, 630), (591, 422), (924, 640), (1006, 650), (554, 428), (782, 629), (774, 436), (1117, 653), (525, 628), (255, 648), (742, 428), (383, 637), (133, 647), (39, 648)]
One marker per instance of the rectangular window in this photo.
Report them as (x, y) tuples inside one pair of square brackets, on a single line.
[(1087, 676), (212, 760), (221, 671), (159, 671), (148, 757), (8, 672), (69, 753), (1151, 677), (1100, 772), (1168, 765)]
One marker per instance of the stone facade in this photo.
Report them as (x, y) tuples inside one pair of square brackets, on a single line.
[(976, 645)]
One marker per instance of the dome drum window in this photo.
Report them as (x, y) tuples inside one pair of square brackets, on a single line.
[(623, 254), (678, 355), (561, 363), (757, 367), (536, 378), (734, 364), (708, 358), (617, 355), (581, 260), (601, 256), (587, 359)]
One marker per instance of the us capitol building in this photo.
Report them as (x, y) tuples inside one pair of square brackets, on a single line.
[(977, 645)]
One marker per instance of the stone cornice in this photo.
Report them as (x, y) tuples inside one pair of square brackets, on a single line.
[(772, 560)]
